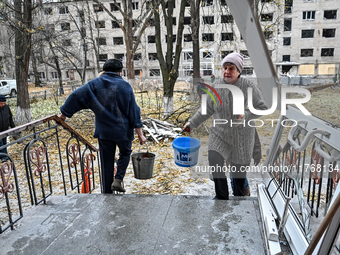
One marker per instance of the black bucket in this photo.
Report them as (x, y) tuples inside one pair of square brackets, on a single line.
[(143, 163)]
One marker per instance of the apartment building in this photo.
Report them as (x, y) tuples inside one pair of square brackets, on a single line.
[(301, 35)]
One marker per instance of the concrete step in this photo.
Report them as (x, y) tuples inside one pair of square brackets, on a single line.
[(137, 224)]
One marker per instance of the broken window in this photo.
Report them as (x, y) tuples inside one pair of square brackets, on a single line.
[(97, 8), (102, 57), (48, 11), (285, 58), (308, 15), (99, 24), (151, 22), (331, 14), (227, 19), (187, 38), (288, 6), (267, 17), (330, 32), (154, 72), (287, 25), (227, 36), (115, 24), (208, 54), (138, 72), (327, 52), (188, 55), (151, 39), (65, 26), (306, 53), (137, 56), (118, 41), (225, 53), (101, 41), (208, 20), (307, 33), (286, 41), (153, 56), (63, 10), (119, 56), (115, 7), (208, 37), (187, 20)]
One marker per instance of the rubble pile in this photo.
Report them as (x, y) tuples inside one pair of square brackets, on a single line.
[(158, 130)]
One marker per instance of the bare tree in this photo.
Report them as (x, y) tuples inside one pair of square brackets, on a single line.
[(169, 63), (195, 29)]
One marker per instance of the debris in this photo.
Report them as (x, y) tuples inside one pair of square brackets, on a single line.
[(159, 130)]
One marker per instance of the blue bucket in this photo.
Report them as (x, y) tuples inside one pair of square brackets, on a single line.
[(186, 151)]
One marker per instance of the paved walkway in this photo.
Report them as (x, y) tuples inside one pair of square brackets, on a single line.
[(137, 224)]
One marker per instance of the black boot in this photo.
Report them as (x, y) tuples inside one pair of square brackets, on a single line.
[(117, 185)]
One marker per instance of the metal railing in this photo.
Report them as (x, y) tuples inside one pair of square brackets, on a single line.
[(305, 167), (49, 157)]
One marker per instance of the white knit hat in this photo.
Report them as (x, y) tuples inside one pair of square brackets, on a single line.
[(235, 59)]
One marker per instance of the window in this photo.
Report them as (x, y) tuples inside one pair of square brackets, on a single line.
[(187, 3), (285, 58), (138, 72), (188, 55), (154, 72), (97, 8), (187, 38), (134, 5), (307, 33), (114, 7), (208, 37), (153, 56), (205, 3), (306, 53), (83, 32), (207, 72), (327, 52), (227, 19), (247, 71), (286, 41), (267, 17), (328, 32), (102, 57), (63, 10), (119, 56), (151, 22), (115, 24), (99, 24), (134, 23), (227, 36), (331, 14), (288, 6), (65, 26), (54, 75), (308, 15), (187, 20), (223, 2), (266, 1), (225, 53), (137, 56), (151, 39), (101, 41), (67, 75), (173, 38), (244, 53), (208, 20), (208, 54), (67, 42), (287, 25), (41, 76), (118, 41), (87, 62), (48, 11), (268, 34)]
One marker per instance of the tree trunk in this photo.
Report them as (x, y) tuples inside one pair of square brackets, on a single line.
[(35, 70), (195, 26), (22, 55)]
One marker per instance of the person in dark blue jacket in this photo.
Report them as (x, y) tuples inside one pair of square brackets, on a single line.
[(6, 120), (117, 114)]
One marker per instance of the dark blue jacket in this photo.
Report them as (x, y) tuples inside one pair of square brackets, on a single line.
[(112, 100), (6, 119)]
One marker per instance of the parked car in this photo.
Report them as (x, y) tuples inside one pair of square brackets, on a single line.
[(8, 87)]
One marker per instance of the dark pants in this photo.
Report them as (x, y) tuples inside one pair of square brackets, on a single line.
[(107, 149), (3, 141), (220, 179)]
